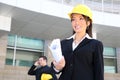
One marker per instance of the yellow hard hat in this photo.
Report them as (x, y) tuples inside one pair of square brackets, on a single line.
[(81, 9), (45, 76)]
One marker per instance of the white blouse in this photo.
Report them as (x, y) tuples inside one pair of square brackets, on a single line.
[(74, 45)]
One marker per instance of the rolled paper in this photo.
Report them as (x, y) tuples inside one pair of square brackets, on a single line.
[(55, 48)]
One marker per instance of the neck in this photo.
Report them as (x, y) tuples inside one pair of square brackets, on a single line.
[(44, 65), (78, 36)]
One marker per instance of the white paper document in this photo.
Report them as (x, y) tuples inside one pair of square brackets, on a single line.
[(55, 48)]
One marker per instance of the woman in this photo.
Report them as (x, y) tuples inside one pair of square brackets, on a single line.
[(82, 55)]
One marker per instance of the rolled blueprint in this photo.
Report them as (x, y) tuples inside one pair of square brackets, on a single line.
[(55, 48)]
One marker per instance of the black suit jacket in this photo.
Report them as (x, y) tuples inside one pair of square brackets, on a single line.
[(85, 62)]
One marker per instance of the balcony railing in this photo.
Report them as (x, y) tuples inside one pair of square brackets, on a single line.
[(110, 6)]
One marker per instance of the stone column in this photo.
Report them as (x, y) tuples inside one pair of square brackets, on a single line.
[(5, 27), (118, 59), (47, 51), (3, 48)]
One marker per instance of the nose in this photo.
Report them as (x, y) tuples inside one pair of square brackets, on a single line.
[(76, 22)]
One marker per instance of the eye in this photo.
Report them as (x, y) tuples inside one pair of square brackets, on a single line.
[(72, 19), (81, 18)]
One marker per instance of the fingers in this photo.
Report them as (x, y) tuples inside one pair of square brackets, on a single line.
[(59, 65), (36, 63)]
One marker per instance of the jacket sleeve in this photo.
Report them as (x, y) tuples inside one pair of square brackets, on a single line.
[(53, 70), (98, 62), (32, 70)]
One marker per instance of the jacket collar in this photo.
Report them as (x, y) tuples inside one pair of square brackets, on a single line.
[(73, 36), (83, 41)]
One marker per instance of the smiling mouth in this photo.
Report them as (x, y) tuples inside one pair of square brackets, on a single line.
[(77, 27)]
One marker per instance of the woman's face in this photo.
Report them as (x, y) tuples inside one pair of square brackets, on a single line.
[(79, 23)]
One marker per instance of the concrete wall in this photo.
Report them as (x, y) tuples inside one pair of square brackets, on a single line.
[(110, 76), (15, 73)]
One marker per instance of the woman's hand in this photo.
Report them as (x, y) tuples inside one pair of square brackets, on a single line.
[(59, 65)]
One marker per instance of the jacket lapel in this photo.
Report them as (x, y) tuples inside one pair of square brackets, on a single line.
[(85, 41), (70, 44)]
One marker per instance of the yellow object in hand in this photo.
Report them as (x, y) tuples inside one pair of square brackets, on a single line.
[(45, 76)]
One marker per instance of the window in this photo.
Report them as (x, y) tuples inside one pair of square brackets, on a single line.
[(23, 51), (110, 61)]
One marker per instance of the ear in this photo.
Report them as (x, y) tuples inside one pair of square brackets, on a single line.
[(88, 23)]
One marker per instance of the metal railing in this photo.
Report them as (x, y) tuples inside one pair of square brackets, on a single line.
[(103, 5)]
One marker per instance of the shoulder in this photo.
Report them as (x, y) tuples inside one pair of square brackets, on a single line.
[(47, 66), (97, 44), (66, 40), (95, 41)]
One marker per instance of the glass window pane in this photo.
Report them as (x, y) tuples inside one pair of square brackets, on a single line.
[(27, 50), (26, 58), (108, 1), (24, 63), (9, 62), (109, 69), (11, 40), (9, 56), (31, 43), (108, 51), (110, 65), (109, 61)]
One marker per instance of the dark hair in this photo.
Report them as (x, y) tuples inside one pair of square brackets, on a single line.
[(89, 28), (44, 57)]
